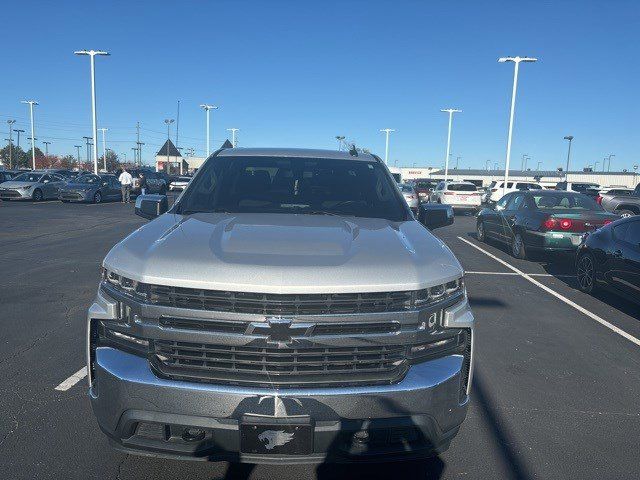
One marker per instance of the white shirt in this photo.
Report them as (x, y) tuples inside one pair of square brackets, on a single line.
[(125, 178)]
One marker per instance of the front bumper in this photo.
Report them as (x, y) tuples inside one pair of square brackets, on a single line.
[(16, 194), (144, 414), (75, 196)]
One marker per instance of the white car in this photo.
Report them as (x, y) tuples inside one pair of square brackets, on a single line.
[(460, 195), (179, 183), (498, 191), (410, 195)]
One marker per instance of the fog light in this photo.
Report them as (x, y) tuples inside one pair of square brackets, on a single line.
[(193, 434), (361, 437)]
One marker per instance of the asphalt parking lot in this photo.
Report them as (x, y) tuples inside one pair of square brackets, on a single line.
[(555, 392)]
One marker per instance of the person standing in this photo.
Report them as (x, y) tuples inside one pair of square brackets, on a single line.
[(143, 183), (125, 180)]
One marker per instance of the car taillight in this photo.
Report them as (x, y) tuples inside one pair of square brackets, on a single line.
[(599, 199), (565, 224), (549, 224), (558, 224), (606, 222)]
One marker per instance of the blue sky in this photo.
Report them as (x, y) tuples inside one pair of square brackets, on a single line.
[(293, 73)]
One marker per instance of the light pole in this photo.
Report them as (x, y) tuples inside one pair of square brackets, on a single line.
[(33, 144), (386, 147), (92, 54), (18, 131), (609, 162), (207, 108), (104, 148), (169, 121), (538, 166), (516, 61), (457, 162), (340, 139), (233, 136), (570, 138), (11, 122), (46, 148), (595, 166), (525, 158), (78, 147), (450, 111), (523, 163), (87, 141), (486, 164)]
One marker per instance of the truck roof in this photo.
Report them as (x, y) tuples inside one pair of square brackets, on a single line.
[(295, 152)]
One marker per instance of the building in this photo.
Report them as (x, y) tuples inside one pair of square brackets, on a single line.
[(547, 178), (169, 153)]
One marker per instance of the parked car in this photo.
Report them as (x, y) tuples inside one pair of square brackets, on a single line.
[(541, 221), (460, 195), (6, 175), (156, 182), (622, 201), (588, 188), (410, 196), (91, 188), (179, 183), (288, 308), (35, 185), (498, 190), (424, 189), (610, 259)]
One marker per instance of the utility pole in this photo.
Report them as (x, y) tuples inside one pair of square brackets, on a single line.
[(208, 107), (168, 121), (450, 111), (516, 61), (233, 136), (18, 131), (78, 147), (177, 130), (31, 103), (609, 162), (104, 147), (387, 131), (139, 159), (46, 148), (570, 138), (11, 122), (87, 140), (139, 145)]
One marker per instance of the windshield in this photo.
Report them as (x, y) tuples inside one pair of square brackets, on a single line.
[(87, 179), (565, 202), (28, 177), (249, 184), (406, 188), (462, 187)]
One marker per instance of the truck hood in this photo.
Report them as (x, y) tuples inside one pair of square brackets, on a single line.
[(284, 253)]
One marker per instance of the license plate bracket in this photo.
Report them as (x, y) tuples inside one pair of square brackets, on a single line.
[(276, 436)]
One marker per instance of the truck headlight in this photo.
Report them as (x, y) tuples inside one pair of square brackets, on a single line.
[(124, 285), (440, 292)]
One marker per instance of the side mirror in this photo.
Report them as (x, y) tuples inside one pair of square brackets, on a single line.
[(45, 181), (434, 215), (497, 207), (151, 206)]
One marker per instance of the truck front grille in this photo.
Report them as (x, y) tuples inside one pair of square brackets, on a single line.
[(276, 304), (279, 367)]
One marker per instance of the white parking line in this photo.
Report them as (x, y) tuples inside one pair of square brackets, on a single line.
[(527, 276), (513, 273), (72, 380), (42, 202)]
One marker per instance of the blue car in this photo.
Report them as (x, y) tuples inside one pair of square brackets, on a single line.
[(91, 188)]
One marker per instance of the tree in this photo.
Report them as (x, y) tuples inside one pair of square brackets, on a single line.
[(113, 162)]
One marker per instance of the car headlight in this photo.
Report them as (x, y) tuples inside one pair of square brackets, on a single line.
[(441, 292), (124, 285), (26, 187)]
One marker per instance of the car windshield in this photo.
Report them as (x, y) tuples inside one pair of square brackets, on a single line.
[(28, 177), (87, 179), (462, 187), (406, 188), (565, 202), (184, 179), (293, 185)]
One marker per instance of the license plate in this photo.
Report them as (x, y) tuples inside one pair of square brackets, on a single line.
[(265, 437)]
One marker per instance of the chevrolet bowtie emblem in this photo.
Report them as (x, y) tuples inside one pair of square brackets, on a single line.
[(279, 331)]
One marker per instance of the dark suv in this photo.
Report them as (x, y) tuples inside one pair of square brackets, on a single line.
[(156, 182)]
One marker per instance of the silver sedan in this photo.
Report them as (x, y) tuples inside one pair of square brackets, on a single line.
[(411, 196), (34, 186)]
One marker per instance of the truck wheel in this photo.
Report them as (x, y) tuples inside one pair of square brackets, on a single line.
[(624, 213), (37, 195), (517, 247)]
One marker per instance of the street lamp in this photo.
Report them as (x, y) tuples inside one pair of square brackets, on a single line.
[(340, 139), (92, 54), (233, 135), (538, 166), (516, 61), (104, 147), (450, 111), (570, 138), (33, 144), (595, 166), (208, 107), (386, 145), (169, 121), (457, 162), (609, 162), (486, 164)]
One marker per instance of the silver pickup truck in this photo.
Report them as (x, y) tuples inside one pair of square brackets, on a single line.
[(624, 202), (288, 308)]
